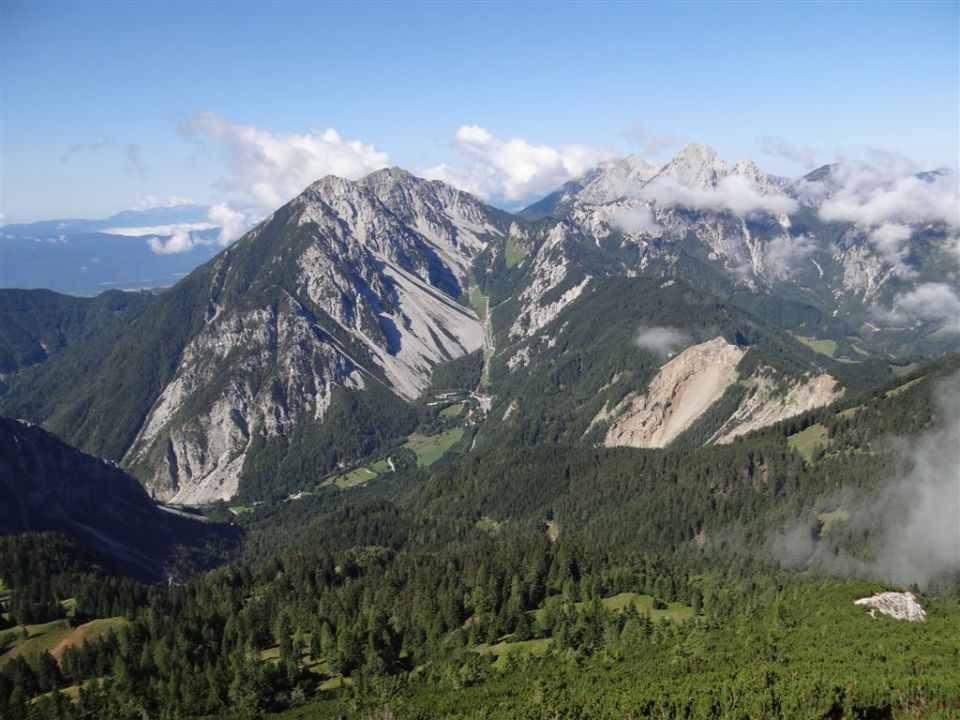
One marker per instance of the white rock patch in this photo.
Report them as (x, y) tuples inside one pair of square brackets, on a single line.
[(900, 606)]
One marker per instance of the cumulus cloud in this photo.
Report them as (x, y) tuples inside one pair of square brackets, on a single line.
[(660, 339), (649, 142), (179, 241), (184, 237), (734, 193), (232, 223), (513, 169), (268, 169), (635, 220), (907, 200), (780, 146), (149, 202), (933, 302), (890, 189), (786, 254)]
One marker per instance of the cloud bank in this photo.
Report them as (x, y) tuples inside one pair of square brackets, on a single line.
[(932, 302), (886, 195), (734, 193), (267, 169), (513, 169)]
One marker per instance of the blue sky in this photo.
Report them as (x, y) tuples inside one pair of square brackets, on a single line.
[(102, 103)]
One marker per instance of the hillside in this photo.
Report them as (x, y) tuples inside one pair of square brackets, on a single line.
[(48, 487)]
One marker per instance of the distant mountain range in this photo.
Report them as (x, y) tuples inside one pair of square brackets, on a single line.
[(642, 305), (86, 257)]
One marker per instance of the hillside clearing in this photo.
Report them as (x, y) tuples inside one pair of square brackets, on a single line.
[(808, 440), (430, 448)]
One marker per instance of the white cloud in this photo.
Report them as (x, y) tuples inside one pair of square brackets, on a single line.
[(179, 241), (649, 142), (888, 190), (635, 220), (143, 230), (232, 223), (933, 302), (890, 239), (785, 254), (660, 339), (734, 193), (268, 169), (148, 202), (778, 145), (886, 196), (513, 169)]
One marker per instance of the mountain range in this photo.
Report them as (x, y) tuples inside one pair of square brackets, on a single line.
[(641, 305), (669, 442)]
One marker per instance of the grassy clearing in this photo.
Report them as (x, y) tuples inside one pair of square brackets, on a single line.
[(806, 441), (675, 612), (489, 525), (829, 520), (901, 370), (824, 347), (241, 509), (850, 412), (334, 683), (522, 648), (452, 410), (354, 478), (514, 253), (431, 448), (902, 388), (380, 467), (93, 630), (72, 691), (38, 639), (54, 637)]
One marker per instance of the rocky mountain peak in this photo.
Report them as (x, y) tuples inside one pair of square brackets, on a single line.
[(617, 178), (696, 165)]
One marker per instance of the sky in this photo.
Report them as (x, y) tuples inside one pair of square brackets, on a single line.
[(110, 106)]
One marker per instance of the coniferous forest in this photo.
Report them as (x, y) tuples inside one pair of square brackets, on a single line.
[(545, 581)]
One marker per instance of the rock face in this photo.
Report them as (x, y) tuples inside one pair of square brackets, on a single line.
[(760, 230), (350, 283), (767, 403), (690, 383), (900, 606), (681, 392)]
